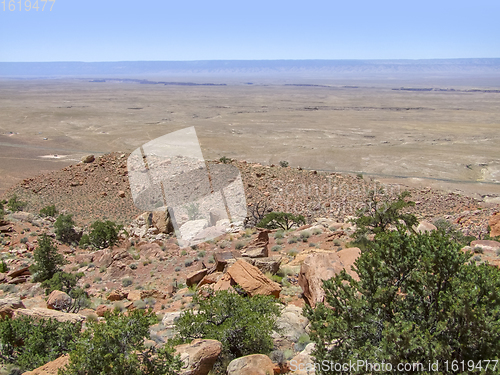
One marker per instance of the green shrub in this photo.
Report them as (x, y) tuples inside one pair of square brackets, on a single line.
[(30, 343), (378, 215), (49, 211), (453, 232), (316, 231), (283, 163), (2, 211), (211, 259), (279, 234), (292, 240), (242, 324), (281, 220), (3, 267), (239, 245), (104, 234), (116, 347), (418, 298), (225, 160), (47, 259), (276, 248), (66, 282), (64, 228), (188, 263), (193, 211), (14, 204), (127, 282), (84, 241), (201, 253), (133, 266)]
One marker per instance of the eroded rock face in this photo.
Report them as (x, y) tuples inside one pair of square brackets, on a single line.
[(323, 266), (50, 368), (8, 305), (255, 364), (41, 313), (494, 224), (252, 280), (199, 356), (59, 301)]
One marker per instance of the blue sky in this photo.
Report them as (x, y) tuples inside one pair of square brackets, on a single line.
[(122, 30)]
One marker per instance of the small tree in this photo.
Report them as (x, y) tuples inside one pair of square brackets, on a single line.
[(418, 300), (285, 221), (104, 234), (64, 228), (49, 211), (67, 283), (377, 215), (14, 204), (116, 347), (47, 259), (242, 324), (3, 267)]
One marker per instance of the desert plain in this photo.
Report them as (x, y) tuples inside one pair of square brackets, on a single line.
[(439, 133)]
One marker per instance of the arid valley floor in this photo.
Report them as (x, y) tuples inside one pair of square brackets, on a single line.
[(447, 139)]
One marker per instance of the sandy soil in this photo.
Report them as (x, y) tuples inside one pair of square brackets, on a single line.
[(442, 138)]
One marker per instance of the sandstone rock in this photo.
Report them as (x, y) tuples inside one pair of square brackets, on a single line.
[(3, 278), (224, 283), (8, 305), (102, 310), (292, 323), (210, 279), (41, 313), (257, 248), (21, 271), (117, 295), (486, 244), (88, 159), (252, 280), (255, 364), (425, 227), (303, 363), (121, 194), (50, 368), (195, 277), (223, 258), (494, 223), (59, 301), (190, 229), (323, 266), (269, 264), (199, 356), (161, 220), (170, 318), (136, 295)]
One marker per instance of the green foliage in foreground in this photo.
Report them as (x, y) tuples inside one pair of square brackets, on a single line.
[(47, 259), (116, 347), (102, 234), (419, 299), (3, 267), (242, 324), (29, 343), (285, 221), (2, 211), (49, 211), (451, 231)]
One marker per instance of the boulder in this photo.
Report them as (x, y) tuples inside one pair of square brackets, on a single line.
[(117, 295), (41, 313), (191, 228), (161, 220), (292, 324), (486, 244), (303, 363), (494, 223), (88, 159), (252, 280), (20, 271), (257, 248), (425, 227), (8, 305), (223, 258), (225, 282), (269, 264), (255, 364), (59, 301), (323, 266), (102, 310), (50, 368), (210, 279), (199, 356), (195, 277)]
